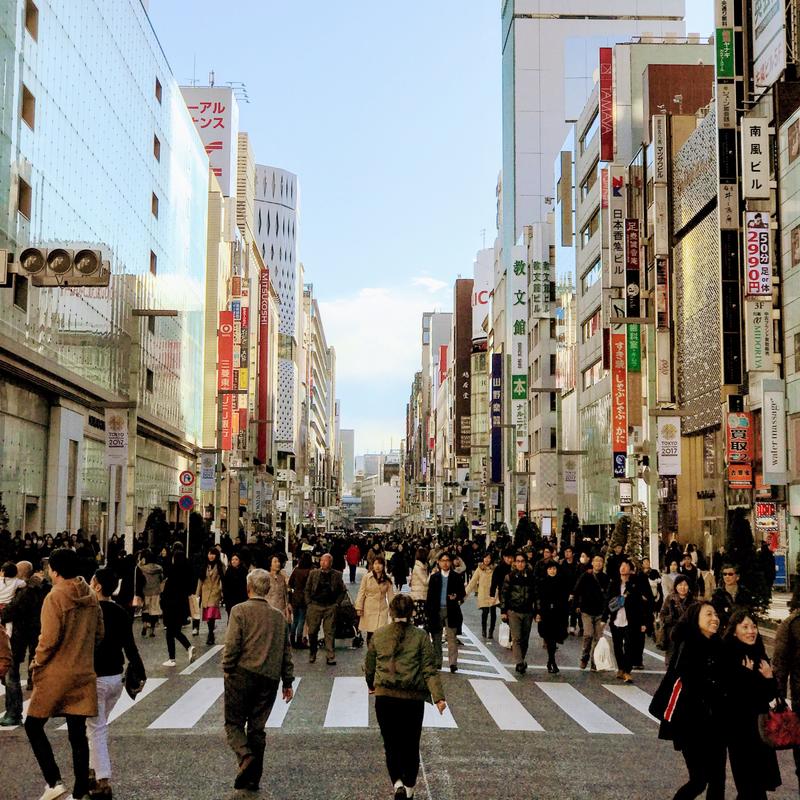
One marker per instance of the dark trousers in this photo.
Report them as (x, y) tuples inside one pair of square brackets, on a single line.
[(174, 632), (353, 568), (13, 691), (76, 728), (489, 612), (400, 722), (624, 646), (705, 761), (249, 698), (637, 652)]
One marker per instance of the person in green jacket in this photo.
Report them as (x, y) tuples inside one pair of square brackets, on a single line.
[(402, 672)]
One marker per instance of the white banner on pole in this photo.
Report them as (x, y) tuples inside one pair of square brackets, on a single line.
[(669, 445), (116, 437)]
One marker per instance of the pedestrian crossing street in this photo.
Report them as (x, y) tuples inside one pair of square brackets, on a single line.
[(188, 704)]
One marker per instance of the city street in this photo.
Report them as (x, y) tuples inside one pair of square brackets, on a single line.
[(573, 735)]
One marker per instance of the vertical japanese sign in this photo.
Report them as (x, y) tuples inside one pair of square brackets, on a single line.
[(773, 432), (619, 403), (758, 334), (724, 41), (669, 445), (116, 437), (215, 114), (227, 422), (462, 382), (606, 104), (617, 197), (759, 254), (632, 273), (519, 348), (540, 288), (660, 160), (225, 351), (263, 363), (755, 158), (739, 450), (496, 417)]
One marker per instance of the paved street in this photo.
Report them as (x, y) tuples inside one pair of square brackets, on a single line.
[(541, 736)]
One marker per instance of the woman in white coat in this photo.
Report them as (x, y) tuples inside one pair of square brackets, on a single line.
[(418, 583), (374, 595), (487, 603)]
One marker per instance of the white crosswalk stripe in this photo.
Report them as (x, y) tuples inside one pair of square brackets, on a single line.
[(349, 704), (504, 708), (589, 716), (633, 696), (187, 711), (477, 654), (281, 708), (207, 656)]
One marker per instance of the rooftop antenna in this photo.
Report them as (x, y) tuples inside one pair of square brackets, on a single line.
[(239, 90)]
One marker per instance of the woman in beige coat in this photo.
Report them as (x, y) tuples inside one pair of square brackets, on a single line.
[(418, 583), (374, 595), (64, 680), (209, 590), (278, 594), (482, 581)]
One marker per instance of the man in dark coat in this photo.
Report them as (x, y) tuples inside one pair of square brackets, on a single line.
[(625, 609), (730, 594), (446, 593), (324, 591)]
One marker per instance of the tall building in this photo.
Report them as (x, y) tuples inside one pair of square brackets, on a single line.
[(129, 179), (348, 439)]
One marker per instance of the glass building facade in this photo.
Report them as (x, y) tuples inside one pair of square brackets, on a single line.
[(98, 149)]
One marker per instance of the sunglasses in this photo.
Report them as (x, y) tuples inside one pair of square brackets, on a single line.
[(729, 574)]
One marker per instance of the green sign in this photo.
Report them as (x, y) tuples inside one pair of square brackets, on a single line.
[(519, 387), (634, 349), (725, 65)]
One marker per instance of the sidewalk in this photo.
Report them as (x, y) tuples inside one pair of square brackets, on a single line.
[(778, 610)]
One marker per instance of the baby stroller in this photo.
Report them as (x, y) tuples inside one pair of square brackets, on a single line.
[(346, 626)]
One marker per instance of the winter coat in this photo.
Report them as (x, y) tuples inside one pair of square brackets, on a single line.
[(455, 586), (519, 592), (24, 612), (398, 566), (297, 586), (278, 594), (786, 655), (178, 586), (696, 583), (353, 555), (672, 610), (338, 590), (635, 603), (419, 581), (552, 606), (724, 603), (590, 593), (209, 587), (482, 581), (498, 578), (148, 580), (64, 680), (749, 694), (700, 711), (372, 603), (234, 586), (401, 663), (5, 653)]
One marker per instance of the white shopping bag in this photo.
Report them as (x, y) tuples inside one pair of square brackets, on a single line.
[(504, 636), (604, 656)]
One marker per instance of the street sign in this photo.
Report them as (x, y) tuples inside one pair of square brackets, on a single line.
[(186, 502), (187, 490), (186, 477)]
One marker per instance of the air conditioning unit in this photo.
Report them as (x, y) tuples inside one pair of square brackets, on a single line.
[(62, 266)]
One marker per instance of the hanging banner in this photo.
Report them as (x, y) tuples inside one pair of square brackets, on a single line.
[(606, 104), (570, 476), (617, 203), (759, 254), (496, 418), (755, 158), (225, 351), (773, 433), (758, 333), (669, 445), (263, 364), (632, 268), (116, 437), (208, 471), (619, 404)]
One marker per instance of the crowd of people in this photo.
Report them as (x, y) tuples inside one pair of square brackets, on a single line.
[(72, 610)]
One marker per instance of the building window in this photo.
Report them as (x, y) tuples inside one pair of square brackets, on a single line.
[(552, 363), (154, 205), (587, 137), (151, 324), (553, 333), (158, 90), (590, 327), (156, 148), (153, 263), (536, 410), (553, 442), (552, 401), (590, 180), (28, 107), (536, 441), (32, 19), (21, 292), (24, 199), (590, 278), (593, 374), (590, 228), (148, 379)]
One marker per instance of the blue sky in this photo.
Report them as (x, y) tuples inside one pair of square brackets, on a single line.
[(390, 115)]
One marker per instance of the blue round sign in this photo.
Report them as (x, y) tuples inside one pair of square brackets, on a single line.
[(186, 502)]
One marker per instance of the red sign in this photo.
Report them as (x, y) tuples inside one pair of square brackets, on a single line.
[(619, 401), (225, 351), (740, 476), (442, 364), (263, 363), (227, 413), (606, 104)]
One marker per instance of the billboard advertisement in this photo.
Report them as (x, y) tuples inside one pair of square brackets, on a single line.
[(768, 24), (758, 254)]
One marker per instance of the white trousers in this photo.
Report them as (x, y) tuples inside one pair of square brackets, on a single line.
[(109, 689)]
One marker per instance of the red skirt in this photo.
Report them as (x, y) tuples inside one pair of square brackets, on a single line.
[(211, 612)]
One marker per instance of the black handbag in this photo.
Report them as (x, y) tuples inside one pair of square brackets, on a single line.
[(134, 681)]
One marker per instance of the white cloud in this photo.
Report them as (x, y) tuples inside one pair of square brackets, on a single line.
[(433, 285)]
